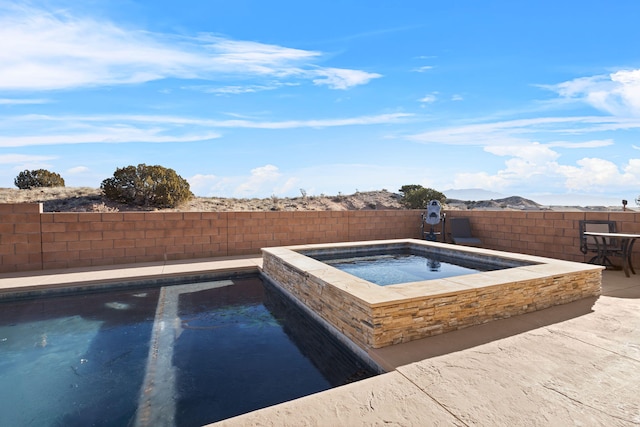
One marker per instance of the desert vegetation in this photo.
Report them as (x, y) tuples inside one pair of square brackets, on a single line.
[(28, 179), (146, 186)]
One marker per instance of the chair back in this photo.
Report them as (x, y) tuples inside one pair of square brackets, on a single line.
[(588, 243), (433, 213), (459, 227)]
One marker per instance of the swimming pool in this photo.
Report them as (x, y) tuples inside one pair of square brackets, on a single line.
[(185, 355)]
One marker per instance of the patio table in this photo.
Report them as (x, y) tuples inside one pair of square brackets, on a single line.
[(626, 245)]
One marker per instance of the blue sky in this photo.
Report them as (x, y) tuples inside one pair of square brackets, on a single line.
[(251, 98)]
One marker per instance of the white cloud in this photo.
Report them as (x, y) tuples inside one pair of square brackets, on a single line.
[(49, 130), (594, 173), (423, 69), (261, 180), (533, 153), (260, 177), (337, 78), (105, 134), (20, 162), (287, 187), (10, 101), (496, 133), (456, 97), (480, 180), (617, 93), (236, 89), (78, 170), (596, 143), (428, 99), (46, 50), (521, 131), (532, 164), (23, 158), (537, 167), (204, 185)]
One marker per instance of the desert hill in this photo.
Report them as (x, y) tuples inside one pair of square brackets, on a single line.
[(513, 203), (85, 199)]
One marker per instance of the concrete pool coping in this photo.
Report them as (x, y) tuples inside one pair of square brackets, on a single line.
[(153, 273), (574, 364), (376, 295)]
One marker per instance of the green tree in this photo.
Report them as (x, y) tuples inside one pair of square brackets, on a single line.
[(38, 178), (144, 185), (416, 196)]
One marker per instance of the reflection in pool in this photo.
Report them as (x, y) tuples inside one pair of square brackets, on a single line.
[(404, 268)]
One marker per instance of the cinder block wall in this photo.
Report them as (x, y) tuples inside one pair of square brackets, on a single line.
[(543, 233), (33, 240), (20, 237)]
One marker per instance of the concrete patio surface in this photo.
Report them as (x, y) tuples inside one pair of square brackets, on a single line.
[(575, 364)]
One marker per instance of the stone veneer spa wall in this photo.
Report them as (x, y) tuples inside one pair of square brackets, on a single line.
[(375, 316)]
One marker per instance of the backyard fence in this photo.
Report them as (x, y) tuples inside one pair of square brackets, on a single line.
[(32, 240)]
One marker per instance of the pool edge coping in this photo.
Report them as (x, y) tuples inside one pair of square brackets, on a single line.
[(377, 296), (27, 284)]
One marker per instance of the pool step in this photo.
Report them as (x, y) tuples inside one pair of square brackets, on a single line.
[(157, 402)]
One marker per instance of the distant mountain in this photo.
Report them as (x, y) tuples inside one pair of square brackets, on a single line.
[(581, 200), (473, 194), (512, 203), (570, 200)]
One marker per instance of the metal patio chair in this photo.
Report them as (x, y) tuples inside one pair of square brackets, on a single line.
[(602, 248)]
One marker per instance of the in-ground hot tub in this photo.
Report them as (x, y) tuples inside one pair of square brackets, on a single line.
[(375, 316)]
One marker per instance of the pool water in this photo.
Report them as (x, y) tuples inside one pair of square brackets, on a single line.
[(392, 269), (183, 355)]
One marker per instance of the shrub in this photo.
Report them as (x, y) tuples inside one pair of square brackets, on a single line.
[(38, 178), (144, 185), (417, 196)]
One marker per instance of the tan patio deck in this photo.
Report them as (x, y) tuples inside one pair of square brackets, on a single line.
[(575, 364)]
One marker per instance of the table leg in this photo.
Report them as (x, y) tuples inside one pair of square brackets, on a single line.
[(601, 248), (625, 256), (629, 252)]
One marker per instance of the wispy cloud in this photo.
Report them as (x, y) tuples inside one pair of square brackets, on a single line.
[(23, 158), (108, 135), (583, 144), (78, 170), (50, 130), (520, 131), (339, 78), (240, 89), (529, 161), (18, 162), (46, 50), (261, 180), (429, 99), (25, 101), (260, 177), (538, 167), (617, 93)]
